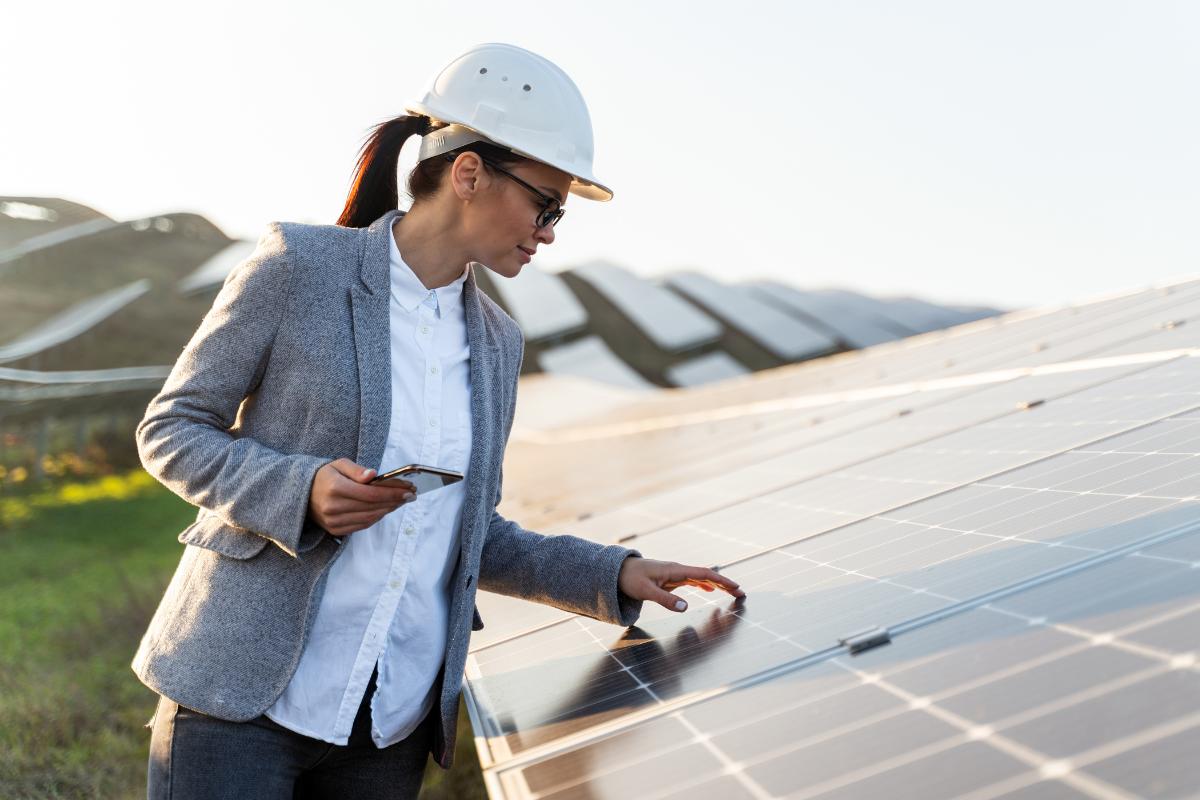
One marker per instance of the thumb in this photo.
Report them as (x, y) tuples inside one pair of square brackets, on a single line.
[(355, 472), (671, 602)]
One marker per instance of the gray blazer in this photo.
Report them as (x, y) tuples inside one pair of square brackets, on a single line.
[(291, 369)]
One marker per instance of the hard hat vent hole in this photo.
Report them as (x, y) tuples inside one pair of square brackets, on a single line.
[(483, 70), (527, 87), (504, 78)]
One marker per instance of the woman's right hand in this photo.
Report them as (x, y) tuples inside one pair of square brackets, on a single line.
[(342, 501)]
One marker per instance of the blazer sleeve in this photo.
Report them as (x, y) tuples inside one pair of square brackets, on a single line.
[(564, 571), (185, 440)]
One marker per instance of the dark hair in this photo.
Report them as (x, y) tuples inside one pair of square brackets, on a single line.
[(374, 192)]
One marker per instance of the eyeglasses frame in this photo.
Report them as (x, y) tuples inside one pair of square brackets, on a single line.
[(551, 217)]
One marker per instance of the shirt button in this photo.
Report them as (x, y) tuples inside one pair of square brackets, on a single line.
[(393, 584), (433, 423), (424, 329), (433, 370), (410, 530)]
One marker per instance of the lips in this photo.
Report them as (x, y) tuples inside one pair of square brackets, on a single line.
[(526, 252)]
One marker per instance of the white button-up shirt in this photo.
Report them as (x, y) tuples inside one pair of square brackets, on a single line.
[(386, 600)]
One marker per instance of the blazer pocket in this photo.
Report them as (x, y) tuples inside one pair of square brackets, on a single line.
[(211, 533)]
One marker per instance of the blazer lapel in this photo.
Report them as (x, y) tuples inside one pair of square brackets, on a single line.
[(372, 341), (487, 376)]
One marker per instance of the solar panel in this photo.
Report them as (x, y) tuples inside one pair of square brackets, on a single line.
[(539, 301), (213, 272), (855, 325), (731, 459), (669, 322), (1008, 676), (79, 230), (703, 369), (73, 321), (924, 316), (800, 479), (590, 358), (782, 335), (1027, 545), (816, 503)]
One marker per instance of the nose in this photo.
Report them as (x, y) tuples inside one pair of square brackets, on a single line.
[(545, 234)]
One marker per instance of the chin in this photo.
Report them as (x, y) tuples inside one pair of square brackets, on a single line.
[(507, 270)]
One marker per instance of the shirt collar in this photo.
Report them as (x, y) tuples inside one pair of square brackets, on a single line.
[(409, 292)]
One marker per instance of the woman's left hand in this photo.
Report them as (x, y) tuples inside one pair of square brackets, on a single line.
[(647, 579)]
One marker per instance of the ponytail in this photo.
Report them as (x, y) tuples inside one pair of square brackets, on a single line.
[(374, 192)]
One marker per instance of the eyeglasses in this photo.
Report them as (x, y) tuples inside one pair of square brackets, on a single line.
[(552, 211)]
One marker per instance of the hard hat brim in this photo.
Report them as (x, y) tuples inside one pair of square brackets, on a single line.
[(585, 186)]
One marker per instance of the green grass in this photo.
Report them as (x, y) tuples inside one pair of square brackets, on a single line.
[(81, 572)]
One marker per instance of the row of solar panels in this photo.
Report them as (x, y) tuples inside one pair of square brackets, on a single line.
[(602, 322), (51, 237), (596, 321), (972, 559)]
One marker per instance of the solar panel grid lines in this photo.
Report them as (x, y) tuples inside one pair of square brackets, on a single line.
[(699, 497), (1038, 572), (991, 459), (503, 757), (859, 572), (780, 453), (703, 601), (920, 702), (725, 762)]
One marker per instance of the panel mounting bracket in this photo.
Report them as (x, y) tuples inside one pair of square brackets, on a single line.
[(866, 639)]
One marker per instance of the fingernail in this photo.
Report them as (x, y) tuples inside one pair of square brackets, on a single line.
[(408, 498), (680, 605), (367, 473)]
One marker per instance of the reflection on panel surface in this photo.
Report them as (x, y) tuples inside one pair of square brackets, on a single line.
[(1028, 542), (1054, 678)]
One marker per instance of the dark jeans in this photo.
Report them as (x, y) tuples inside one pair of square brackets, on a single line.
[(193, 755)]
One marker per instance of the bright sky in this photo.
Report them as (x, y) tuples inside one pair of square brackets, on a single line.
[(1006, 153)]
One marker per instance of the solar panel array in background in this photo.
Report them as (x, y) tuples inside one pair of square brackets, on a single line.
[(1012, 505)]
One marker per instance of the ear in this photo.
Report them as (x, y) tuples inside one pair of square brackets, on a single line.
[(467, 176)]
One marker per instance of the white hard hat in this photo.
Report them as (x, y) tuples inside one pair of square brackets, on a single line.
[(519, 100)]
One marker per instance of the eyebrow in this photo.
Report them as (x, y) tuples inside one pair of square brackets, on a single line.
[(553, 193)]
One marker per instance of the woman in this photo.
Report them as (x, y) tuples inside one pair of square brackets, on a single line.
[(312, 640)]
